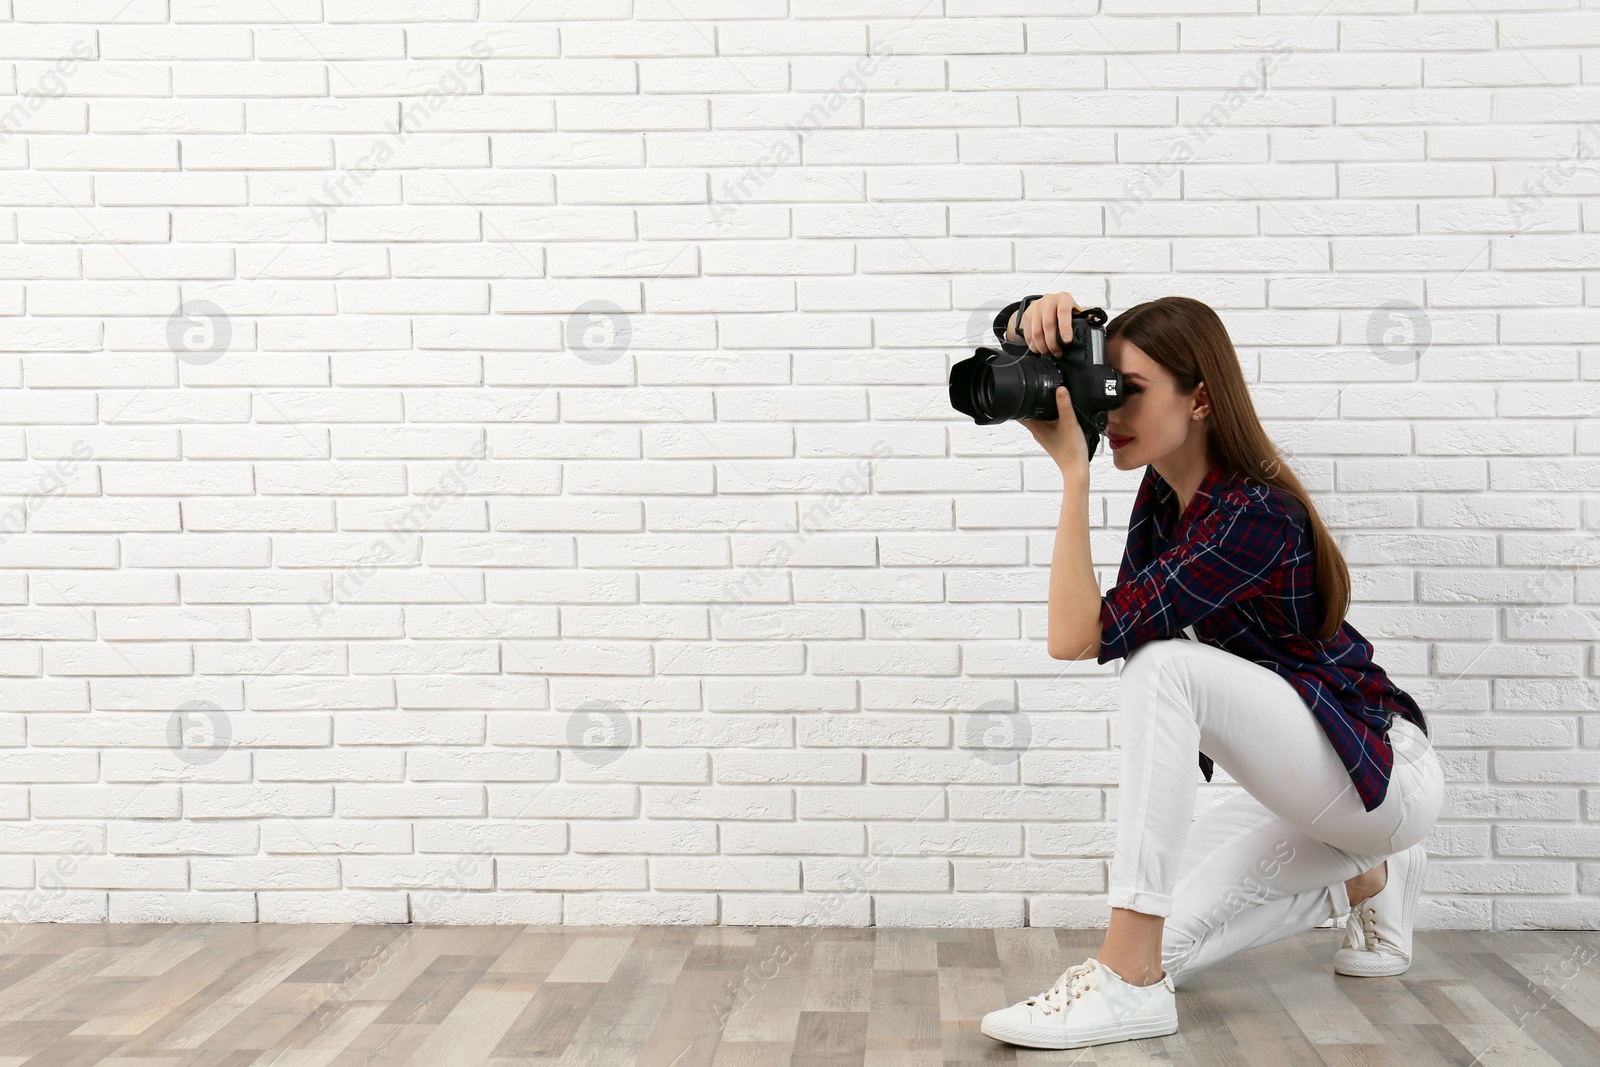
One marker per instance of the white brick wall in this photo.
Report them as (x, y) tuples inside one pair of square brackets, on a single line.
[(489, 461)]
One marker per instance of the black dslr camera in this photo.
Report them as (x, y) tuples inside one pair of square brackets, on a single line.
[(1015, 383)]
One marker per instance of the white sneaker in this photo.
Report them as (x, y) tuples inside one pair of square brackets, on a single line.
[(1090, 1004), (1377, 940)]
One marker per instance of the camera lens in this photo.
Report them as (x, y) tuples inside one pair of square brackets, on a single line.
[(997, 387)]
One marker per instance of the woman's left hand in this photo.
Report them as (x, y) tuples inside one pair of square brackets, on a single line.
[(1063, 438)]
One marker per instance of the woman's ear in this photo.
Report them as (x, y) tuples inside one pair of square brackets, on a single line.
[(1202, 402)]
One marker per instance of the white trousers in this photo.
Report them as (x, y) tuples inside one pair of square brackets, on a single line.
[(1271, 862)]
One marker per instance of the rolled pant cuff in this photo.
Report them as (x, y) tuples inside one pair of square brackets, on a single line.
[(1141, 901), (1339, 900)]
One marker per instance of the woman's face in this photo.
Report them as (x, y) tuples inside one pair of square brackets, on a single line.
[(1155, 419)]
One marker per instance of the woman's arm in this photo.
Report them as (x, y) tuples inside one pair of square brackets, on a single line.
[(1073, 617), (1074, 610)]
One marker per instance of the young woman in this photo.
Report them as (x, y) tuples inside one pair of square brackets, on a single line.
[(1229, 609)]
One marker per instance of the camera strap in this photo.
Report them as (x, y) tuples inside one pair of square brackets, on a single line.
[(1002, 320)]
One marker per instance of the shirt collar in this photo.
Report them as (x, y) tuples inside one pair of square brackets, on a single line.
[(1211, 484)]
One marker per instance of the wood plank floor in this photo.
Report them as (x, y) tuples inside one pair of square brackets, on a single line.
[(231, 995)]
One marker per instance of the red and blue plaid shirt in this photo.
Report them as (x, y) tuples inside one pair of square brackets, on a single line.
[(1237, 567)]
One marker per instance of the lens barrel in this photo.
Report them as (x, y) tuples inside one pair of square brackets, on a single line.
[(995, 387)]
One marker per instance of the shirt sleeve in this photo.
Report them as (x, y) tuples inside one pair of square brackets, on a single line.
[(1230, 554)]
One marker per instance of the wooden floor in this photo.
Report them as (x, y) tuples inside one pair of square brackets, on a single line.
[(226, 995)]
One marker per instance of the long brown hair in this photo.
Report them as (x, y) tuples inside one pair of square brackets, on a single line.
[(1188, 339)]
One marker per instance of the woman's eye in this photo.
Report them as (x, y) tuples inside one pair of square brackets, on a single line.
[(1128, 389)]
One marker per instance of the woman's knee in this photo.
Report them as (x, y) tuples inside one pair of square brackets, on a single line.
[(1153, 657), (1149, 660), (1152, 653)]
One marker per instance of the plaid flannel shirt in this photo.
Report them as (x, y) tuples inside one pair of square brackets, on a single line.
[(1236, 570)]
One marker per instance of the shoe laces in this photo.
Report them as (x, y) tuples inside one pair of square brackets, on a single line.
[(1073, 983), (1371, 938)]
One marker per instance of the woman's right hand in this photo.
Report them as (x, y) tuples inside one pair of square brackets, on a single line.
[(1046, 321)]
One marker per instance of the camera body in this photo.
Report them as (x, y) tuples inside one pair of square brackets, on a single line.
[(1012, 382)]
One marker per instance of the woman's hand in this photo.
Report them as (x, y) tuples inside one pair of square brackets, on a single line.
[(1063, 438), (1046, 321)]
